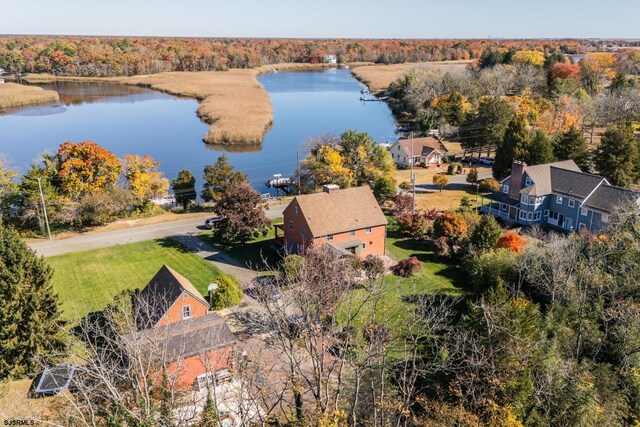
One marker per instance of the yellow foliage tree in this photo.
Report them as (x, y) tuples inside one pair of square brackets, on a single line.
[(143, 177), (533, 57), (528, 106), (565, 113)]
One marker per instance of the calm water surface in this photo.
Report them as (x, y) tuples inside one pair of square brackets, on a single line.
[(141, 121)]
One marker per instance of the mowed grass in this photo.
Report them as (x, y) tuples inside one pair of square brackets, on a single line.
[(87, 281), (13, 95), (379, 77), (252, 254)]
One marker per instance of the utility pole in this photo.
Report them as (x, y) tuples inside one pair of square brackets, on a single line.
[(413, 179), (44, 208), (298, 169)]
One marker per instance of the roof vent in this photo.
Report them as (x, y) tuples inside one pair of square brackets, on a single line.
[(330, 188)]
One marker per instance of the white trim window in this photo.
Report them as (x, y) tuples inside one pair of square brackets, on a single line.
[(529, 216), (505, 188), (532, 200), (352, 233), (367, 230), (527, 181), (572, 203), (559, 200), (186, 312), (584, 211), (538, 216), (503, 207), (546, 213), (604, 217), (524, 199), (330, 237), (523, 215)]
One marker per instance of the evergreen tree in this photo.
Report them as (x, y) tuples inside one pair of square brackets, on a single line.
[(572, 145), (486, 234), (383, 189), (184, 188), (29, 311), (541, 149), (488, 124), (618, 156), (218, 177), (514, 146), (209, 416)]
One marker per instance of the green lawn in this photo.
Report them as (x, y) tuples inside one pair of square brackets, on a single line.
[(87, 281), (250, 254)]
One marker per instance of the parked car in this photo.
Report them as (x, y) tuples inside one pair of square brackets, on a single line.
[(488, 161), (468, 161), (211, 223)]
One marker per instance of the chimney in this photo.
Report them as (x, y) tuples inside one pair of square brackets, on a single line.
[(330, 188), (517, 174)]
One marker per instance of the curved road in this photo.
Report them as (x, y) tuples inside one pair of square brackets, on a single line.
[(129, 235)]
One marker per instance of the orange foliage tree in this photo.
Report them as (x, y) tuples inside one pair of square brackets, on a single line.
[(86, 167), (512, 241), (565, 114), (143, 177), (564, 70), (450, 225)]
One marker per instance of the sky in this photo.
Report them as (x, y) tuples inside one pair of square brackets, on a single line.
[(326, 18)]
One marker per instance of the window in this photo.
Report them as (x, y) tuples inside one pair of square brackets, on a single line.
[(604, 218), (532, 200), (530, 216), (505, 189), (330, 237), (539, 200), (186, 312), (546, 213), (572, 203), (523, 215), (524, 199), (538, 216), (367, 230), (503, 207), (559, 200), (352, 233), (303, 232), (584, 211), (290, 224), (527, 181), (364, 245), (295, 210)]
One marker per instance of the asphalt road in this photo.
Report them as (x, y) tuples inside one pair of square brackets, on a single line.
[(129, 235)]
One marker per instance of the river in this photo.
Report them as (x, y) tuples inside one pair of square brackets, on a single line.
[(134, 120)]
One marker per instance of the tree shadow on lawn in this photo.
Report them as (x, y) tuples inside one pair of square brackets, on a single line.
[(257, 255), (170, 243)]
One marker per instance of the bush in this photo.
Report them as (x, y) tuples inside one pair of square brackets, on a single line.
[(491, 269), (291, 267), (405, 185), (100, 207), (451, 169), (443, 247), (488, 185), (512, 241), (486, 234), (228, 293), (383, 189), (408, 267), (374, 267)]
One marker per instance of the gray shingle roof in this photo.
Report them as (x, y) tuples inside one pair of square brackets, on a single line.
[(541, 176), (606, 197), (572, 183)]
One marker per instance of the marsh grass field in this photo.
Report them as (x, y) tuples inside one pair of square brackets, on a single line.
[(379, 77), (13, 95)]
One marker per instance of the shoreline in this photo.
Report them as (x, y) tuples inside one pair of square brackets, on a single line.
[(14, 96)]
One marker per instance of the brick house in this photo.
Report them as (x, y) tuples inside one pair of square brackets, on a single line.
[(349, 219), (557, 195), (427, 151), (171, 314)]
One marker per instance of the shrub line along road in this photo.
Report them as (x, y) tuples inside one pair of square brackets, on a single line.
[(129, 235)]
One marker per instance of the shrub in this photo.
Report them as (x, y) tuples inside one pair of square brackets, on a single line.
[(512, 241), (405, 185), (491, 269), (374, 267), (443, 247), (291, 267), (383, 189), (440, 181), (100, 207), (408, 267), (489, 185), (451, 169), (486, 234), (228, 293)]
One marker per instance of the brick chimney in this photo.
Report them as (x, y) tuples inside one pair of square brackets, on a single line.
[(517, 174), (330, 188)]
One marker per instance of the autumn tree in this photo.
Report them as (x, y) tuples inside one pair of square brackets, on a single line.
[(143, 177), (218, 177), (184, 188), (532, 57), (440, 181), (514, 146), (243, 210), (596, 68), (512, 241), (472, 176), (572, 145), (29, 314), (86, 167), (617, 157)]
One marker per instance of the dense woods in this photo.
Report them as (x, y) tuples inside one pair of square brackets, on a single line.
[(126, 56)]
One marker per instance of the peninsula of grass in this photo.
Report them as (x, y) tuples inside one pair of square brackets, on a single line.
[(379, 77), (88, 281), (13, 95)]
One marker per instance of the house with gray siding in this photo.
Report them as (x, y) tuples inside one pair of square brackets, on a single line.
[(558, 195)]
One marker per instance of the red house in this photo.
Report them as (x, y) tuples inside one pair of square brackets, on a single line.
[(349, 219), (196, 345)]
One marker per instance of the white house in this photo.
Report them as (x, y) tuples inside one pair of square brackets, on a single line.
[(427, 151), (330, 59)]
